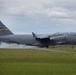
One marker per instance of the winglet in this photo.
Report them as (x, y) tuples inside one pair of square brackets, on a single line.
[(34, 35)]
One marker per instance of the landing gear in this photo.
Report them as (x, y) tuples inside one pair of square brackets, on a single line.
[(47, 46), (43, 46)]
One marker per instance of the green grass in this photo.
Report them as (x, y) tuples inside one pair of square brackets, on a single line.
[(60, 60)]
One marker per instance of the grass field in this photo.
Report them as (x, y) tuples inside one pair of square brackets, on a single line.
[(60, 60)]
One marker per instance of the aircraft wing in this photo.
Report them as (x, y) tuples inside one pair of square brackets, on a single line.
[(43, 40), (51, 37), (40, 36)]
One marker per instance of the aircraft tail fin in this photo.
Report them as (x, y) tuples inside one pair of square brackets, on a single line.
[(4, 30)]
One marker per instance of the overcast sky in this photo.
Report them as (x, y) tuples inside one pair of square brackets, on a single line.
[(39, 16)]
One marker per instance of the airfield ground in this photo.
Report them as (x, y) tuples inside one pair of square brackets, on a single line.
[(58, 60)]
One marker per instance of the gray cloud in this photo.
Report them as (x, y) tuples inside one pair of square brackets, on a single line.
[(36, 6), (1, 5), (56, 10)]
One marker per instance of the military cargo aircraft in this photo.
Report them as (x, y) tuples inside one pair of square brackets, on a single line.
[(39, 40)]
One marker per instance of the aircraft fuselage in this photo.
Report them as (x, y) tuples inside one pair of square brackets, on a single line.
[(30, 40)]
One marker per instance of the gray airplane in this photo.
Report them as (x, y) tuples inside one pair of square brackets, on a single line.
[(39, 40)]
